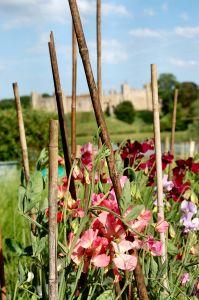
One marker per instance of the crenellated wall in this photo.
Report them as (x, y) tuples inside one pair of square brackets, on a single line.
[(140, 98)]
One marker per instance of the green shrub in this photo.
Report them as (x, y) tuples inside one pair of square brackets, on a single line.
[(124, 111), (145, 115)]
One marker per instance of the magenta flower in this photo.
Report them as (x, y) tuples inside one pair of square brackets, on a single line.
[(184, 278)]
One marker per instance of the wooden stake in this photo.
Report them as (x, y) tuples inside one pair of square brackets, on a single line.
[(94, 96), (74, 88), (60, 108), (2, 274), (99, 56), (21, 132), (52, 204), (158, 154), (23, 143), (174, 122), (99, 51), (83, 49)]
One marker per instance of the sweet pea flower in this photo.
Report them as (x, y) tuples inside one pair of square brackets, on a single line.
[(155, 247), (167, 185), (121, 260), (162, 225), (188, 207), (184, 278)]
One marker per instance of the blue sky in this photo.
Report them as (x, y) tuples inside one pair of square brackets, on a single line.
[(135, 34)]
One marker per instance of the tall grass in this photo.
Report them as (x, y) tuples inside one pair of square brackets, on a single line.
[(13, 226)]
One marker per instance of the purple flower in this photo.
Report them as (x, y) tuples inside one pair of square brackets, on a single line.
[(188, 206), (189, 209), (167, 185)]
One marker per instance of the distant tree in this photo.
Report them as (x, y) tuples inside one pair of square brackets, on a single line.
[(124, 111), (145, 115), (167, 83), (188, 93), (9, 103), (45, 95)]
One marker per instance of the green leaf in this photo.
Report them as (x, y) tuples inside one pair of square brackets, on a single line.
[(172, 249), (14, 246), (125, 200), (146, 270), (22, 273), (107, 295), (154, 268), (135, 212), (21, 198)]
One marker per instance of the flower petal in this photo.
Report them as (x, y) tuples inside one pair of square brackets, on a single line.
[(125, 262)]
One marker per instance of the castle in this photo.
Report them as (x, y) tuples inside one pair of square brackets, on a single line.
[(140, 98)]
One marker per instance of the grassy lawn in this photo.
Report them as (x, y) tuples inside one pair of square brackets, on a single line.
[(12, 225)]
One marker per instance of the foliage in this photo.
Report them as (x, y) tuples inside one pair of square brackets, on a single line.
[(124, 111), (166, 85), (188, 93), (145, 115), (9, 103), (36, 132), (95, 239)]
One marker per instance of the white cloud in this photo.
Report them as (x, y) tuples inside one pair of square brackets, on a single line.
[(183, 63), (149, 12), (26, 12), (188, 32), (184, 16), (145, 32), (165, 6), (113, 52), (110, 8)]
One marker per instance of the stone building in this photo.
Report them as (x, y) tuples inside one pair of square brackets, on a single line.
[(140, 98)]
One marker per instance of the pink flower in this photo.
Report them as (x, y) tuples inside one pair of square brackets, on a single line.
[(125, 261), (162, 225), (87, 238), (121, 260), (155, 247), (86, 155), (141, 222), (101, 260), (184, 278)]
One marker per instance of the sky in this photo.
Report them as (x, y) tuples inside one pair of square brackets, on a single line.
[(135, 33)]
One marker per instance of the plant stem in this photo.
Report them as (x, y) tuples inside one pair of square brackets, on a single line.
[(52, 203)]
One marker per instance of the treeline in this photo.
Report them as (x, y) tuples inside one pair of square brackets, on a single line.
[(188, 103), (36, 122)]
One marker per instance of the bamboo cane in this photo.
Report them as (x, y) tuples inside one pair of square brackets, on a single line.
[(99, 50), (2, 274), (21, 132), (60, 108), (158, 155), (23, 143), (74, 87), (83, 49), (99, 56), (174, 122), (52, 204)]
